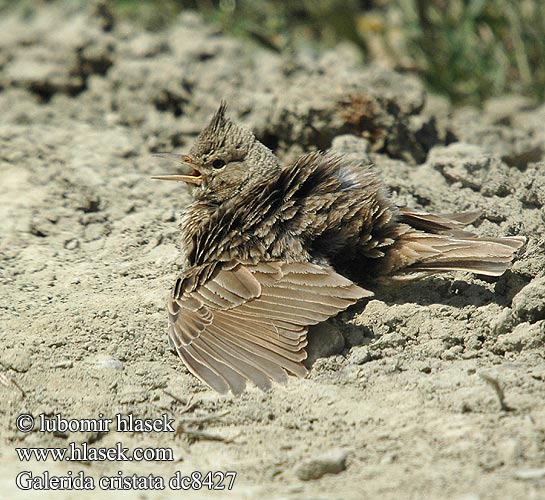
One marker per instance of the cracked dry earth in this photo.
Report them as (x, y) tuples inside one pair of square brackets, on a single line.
[(433, 389)]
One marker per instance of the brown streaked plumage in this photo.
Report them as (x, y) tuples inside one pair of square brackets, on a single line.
[(270, 250)]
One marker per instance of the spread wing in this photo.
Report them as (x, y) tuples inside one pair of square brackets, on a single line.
[(238, 322)]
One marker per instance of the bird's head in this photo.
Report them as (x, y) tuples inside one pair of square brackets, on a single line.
[(225, 160)]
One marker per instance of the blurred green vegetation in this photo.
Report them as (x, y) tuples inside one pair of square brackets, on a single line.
[(474, 49), (468, 50)]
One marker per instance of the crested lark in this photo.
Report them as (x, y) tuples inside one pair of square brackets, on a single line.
[(272, 249)]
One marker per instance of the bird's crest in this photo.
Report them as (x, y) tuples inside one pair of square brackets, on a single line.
[(218, 120)]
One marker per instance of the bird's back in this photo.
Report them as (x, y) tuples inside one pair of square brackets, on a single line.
[(348, 220)]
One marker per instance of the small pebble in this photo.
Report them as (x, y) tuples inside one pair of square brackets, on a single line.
[(62, 364), (332, 462), (530, 474), (360, 355), (71, 244), (109, 364)]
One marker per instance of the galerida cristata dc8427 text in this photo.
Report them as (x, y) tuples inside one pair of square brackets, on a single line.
[(272, 249)]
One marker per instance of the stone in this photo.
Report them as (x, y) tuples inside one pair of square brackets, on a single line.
[(473, 167), (524, 336), (332, 462), (529, 303)]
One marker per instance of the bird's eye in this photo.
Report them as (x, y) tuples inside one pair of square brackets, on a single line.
[(218, 163)]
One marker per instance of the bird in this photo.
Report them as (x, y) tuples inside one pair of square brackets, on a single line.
[(270, 250)]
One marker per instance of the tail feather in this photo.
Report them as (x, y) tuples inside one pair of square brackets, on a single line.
[(434, 253), (484, 268), (438, 223), (429, 244)]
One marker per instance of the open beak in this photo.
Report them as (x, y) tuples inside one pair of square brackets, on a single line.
[(194, 177)]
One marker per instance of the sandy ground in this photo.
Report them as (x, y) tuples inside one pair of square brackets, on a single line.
[(405, 402)]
